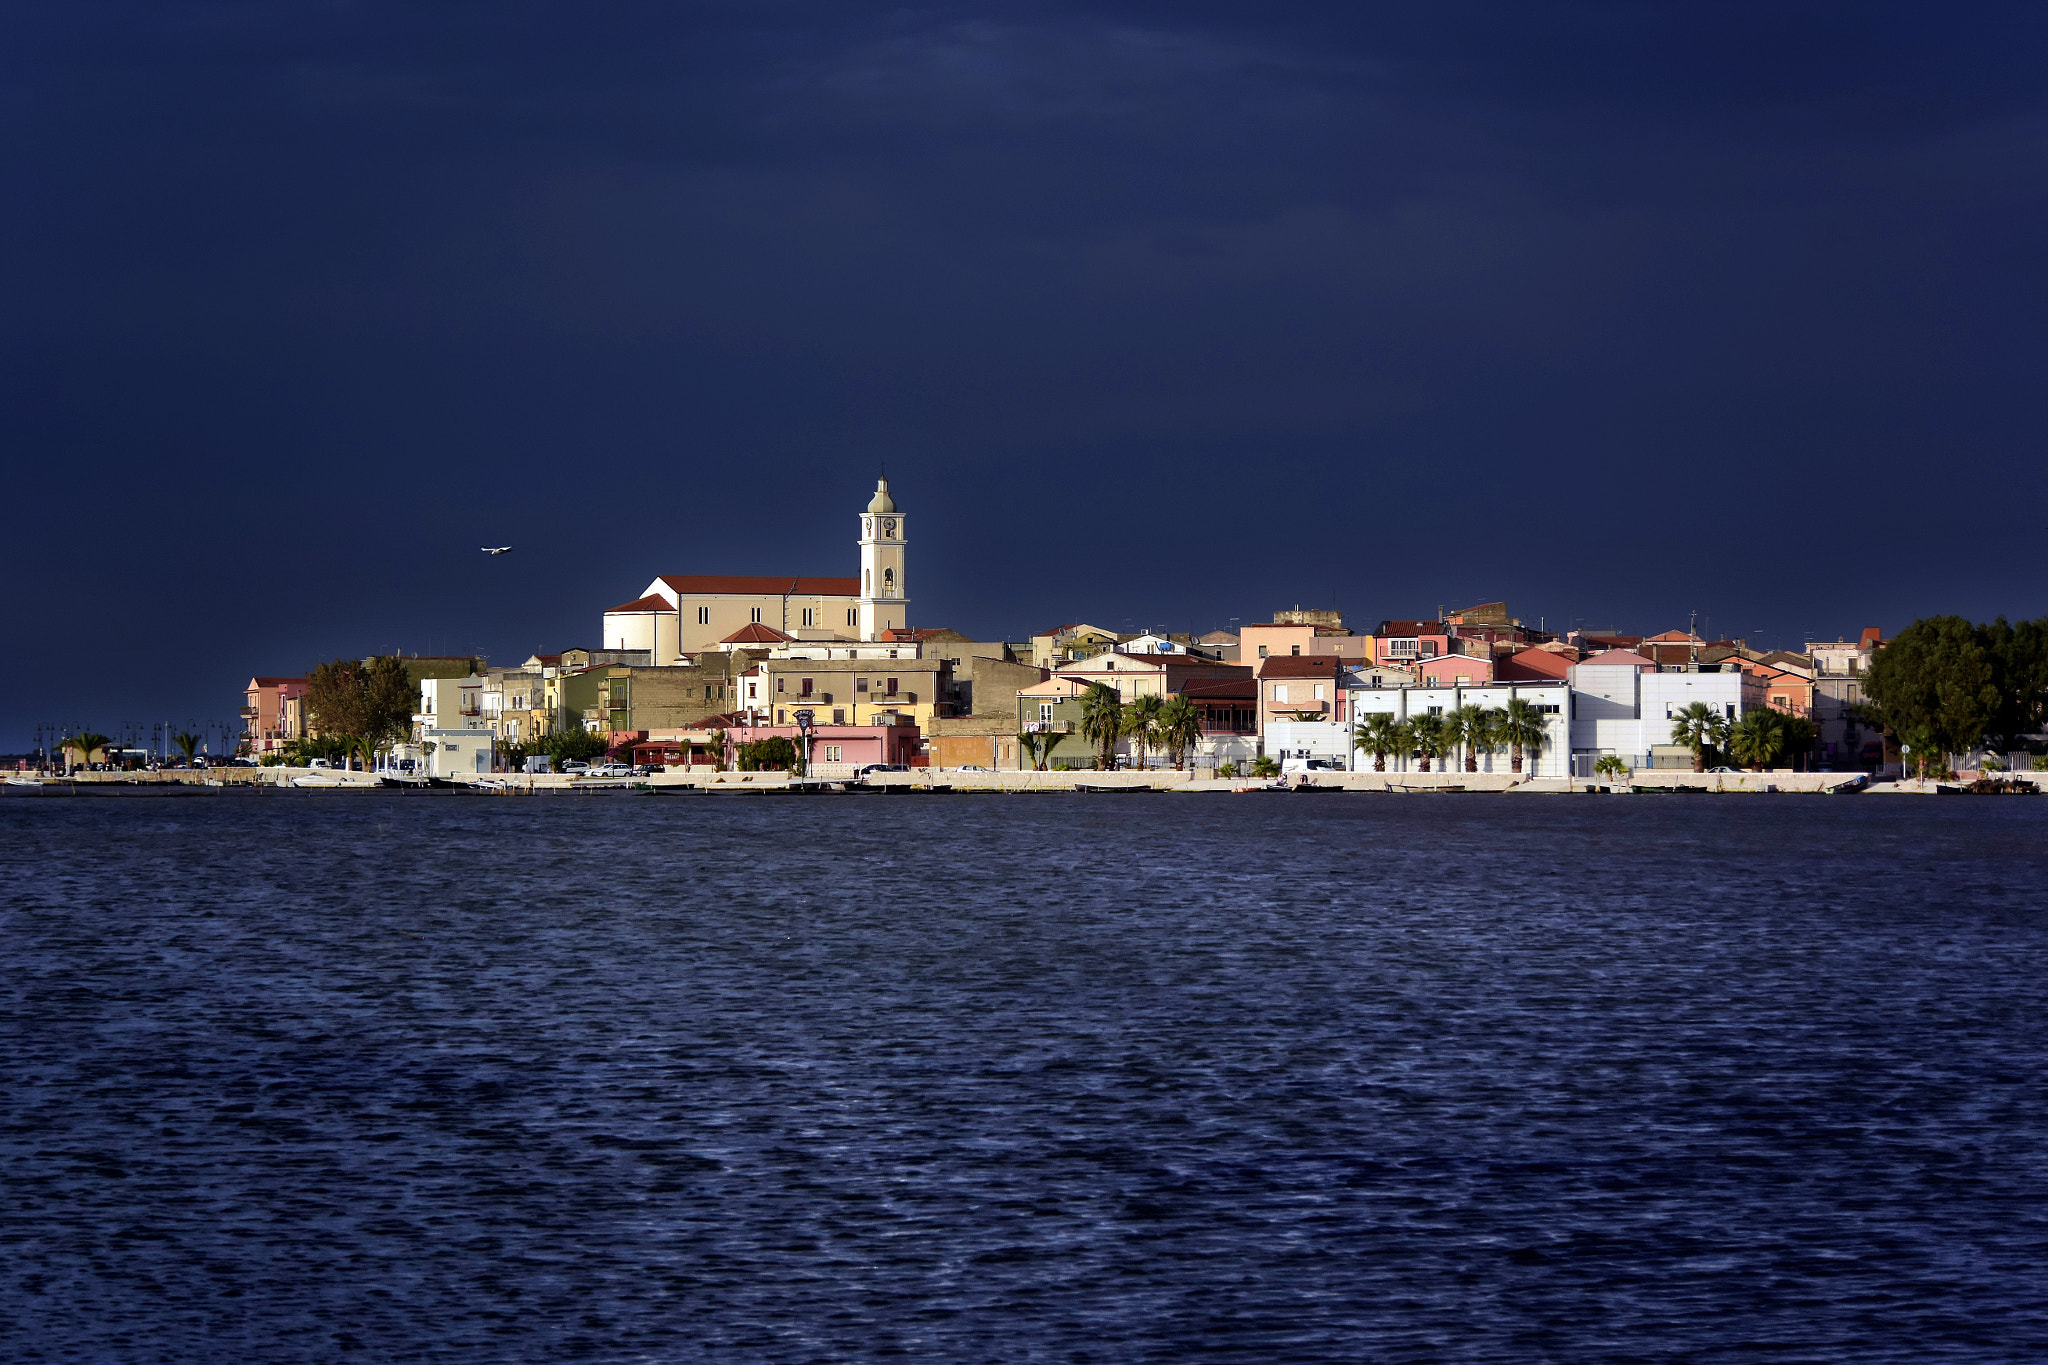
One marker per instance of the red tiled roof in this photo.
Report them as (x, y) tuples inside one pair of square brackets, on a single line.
[(1221, 689), (271, 682), (651, 602), (755, 633), (1619, 658), (1299, 666), (914, 632), (751, 585), (1403, 628)]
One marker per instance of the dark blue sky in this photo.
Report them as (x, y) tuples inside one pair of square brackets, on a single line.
[(1160, 314)]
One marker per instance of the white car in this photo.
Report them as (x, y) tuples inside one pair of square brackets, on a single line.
[(973, 768), (612, 770), (575, 766)]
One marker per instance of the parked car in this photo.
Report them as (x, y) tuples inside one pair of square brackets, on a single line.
[(867, 768), (612, 770), (973, 768), (575, 765), (316, 763)]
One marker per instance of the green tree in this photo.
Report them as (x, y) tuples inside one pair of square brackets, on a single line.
[(1035, 746), (574, 745), (188, 744), (1936, 676), (1610, 766), (371, 700), (1700, 728), (1180, 729), (1431, 737), (1141, 725), (1472, 727), (1800, 737), (777, 753), (1226, 770), (1265, 766), (1102, 721), (85, 744), (1379, 734), (1758, 738), (1523, 730), (2019, 665)]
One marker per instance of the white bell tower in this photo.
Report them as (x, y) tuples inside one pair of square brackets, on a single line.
[(883, 601)]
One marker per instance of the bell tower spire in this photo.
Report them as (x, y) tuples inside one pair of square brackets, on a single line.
[(884, 600)]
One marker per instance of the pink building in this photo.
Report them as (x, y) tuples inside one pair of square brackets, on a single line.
[(1410, 642), (271, 716)]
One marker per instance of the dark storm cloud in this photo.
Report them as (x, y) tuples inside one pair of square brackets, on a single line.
[(1162, 313)]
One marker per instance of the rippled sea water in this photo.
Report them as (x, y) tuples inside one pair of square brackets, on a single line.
[(1063, 1078)]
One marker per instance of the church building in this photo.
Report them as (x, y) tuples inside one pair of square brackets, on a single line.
[(683, 614)]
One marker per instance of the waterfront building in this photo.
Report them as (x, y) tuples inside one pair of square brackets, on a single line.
[(271, 717), (1846, 658), (1624, 703), (1552, 700)]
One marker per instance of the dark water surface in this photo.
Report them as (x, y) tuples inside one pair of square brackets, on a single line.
[(1459, 1078)]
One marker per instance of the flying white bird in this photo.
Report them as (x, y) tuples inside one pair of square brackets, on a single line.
[(500, 550)]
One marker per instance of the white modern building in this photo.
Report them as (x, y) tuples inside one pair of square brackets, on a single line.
[(1551, 700), (1623, 704)]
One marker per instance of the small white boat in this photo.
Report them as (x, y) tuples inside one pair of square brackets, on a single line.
[(321, 780), (24, 782)]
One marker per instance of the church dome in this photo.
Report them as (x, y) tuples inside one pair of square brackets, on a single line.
[(881, 502)]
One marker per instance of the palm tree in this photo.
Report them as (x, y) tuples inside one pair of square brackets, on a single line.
[(87, 744), (188, 744), (1610, 766), (1379, 734), (1522, 727), (1180, 726), (1757, 738), (1141, 723), (1428, 733), (1102, 721), (1036, 747), (1699, 727), (1471, 726)]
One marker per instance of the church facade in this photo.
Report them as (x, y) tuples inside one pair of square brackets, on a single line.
[(685, 614)]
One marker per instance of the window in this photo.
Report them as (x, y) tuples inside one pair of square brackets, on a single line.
[(1547, 708), (839, 715), (892, 654), (1279, 691), (782, 684), (703, 616), (1464, 679), (807, 617), (781, 717), (804, 686), (1045, 712), (1319, 692), (1398, 649), (832, 753), (1436, 710), (860, 684), (1262, 651), (849, 621), (892, 687), (1294, 649), (757, 616)]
